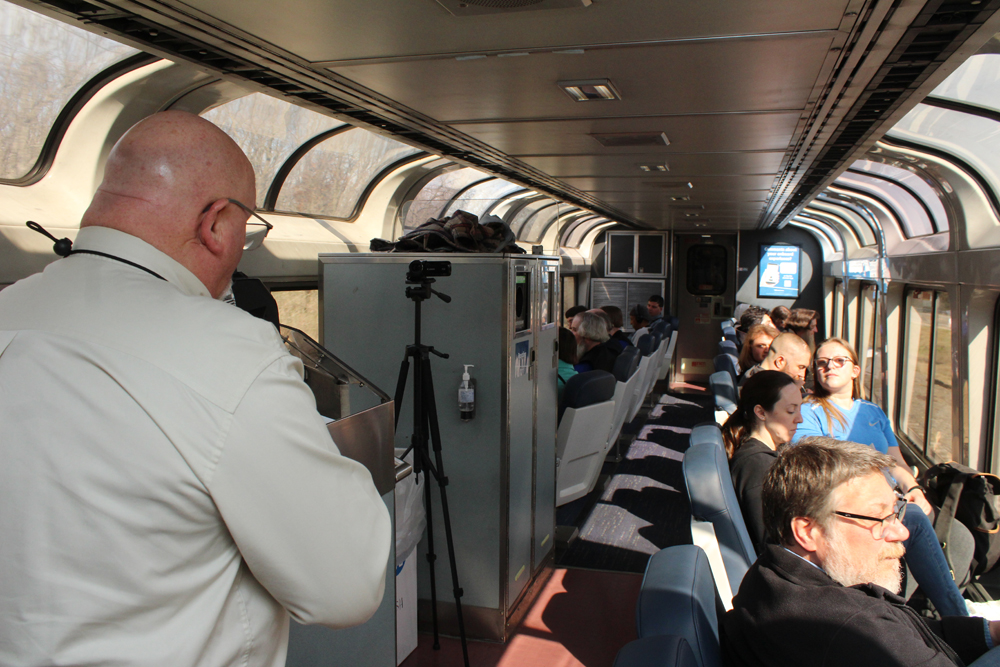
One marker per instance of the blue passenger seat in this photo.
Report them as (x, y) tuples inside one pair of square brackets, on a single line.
[(678, 598), (728, 347), (662, 651), (729, 333), (707, 432), (713, 499), (627, 378), (724, 391), (728, 363), (583, 433)]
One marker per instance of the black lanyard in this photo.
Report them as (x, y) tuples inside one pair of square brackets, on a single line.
[(64, 248)]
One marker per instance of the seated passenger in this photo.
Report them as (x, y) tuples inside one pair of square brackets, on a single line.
[(751, 317), (766, 417), (755, 347), (639, 317), (573, 312), (591, 334), (617, 335), (655, 308), (825, 592), (837, 410), (789, 354), (567, 358), (803, 323), (778, 317)]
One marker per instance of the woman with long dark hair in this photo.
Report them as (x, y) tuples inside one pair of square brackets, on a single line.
[(755, 347), (838, 409), (767, 416)]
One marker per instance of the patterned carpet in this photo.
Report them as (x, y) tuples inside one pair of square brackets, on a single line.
[(644, 506)]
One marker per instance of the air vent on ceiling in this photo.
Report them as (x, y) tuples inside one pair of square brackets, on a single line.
[(479, 7), (629, 139)]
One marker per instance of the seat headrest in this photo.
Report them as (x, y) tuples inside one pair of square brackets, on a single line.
[(724, 390), (626, 363), (707, 432), (646, 345), (726, 362), (588, 388), (728, 347)]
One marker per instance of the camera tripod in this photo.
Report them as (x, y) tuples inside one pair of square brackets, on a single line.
[(425, 421)]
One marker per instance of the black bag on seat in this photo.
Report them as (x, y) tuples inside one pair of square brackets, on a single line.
[(970, 497)]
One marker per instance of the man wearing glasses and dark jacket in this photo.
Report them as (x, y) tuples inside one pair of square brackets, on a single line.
[(826, 592)]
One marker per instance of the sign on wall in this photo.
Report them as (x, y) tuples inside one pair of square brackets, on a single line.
[(779, 271)]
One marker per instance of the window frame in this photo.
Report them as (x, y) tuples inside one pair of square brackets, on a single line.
[(70, 110), (904, 317)]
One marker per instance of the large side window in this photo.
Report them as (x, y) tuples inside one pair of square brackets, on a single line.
[(331, 178), (44, 63), (299, 308), (870, 344), (925, 417), (268, 130), (834, 318)]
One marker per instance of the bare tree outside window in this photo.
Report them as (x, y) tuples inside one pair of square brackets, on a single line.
[(268, 130), (45, 62), (433, 197), (329, 179)]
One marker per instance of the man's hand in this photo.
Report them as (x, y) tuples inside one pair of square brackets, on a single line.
[(995, 632)]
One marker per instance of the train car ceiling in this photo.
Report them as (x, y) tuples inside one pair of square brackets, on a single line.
[(753, 107)]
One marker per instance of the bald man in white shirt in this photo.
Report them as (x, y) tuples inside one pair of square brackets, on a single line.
[(169, 494)]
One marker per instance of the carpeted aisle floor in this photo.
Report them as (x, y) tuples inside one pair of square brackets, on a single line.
[(644, 506)]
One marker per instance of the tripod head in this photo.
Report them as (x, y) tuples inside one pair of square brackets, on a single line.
[(420, 273)]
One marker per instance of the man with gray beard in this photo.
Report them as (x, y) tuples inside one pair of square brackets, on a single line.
[(826, 592)]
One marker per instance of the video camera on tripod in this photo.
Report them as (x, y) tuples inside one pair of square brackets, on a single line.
[(420, 275)]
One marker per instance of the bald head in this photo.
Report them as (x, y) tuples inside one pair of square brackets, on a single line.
[(167, 181), (790, 355)]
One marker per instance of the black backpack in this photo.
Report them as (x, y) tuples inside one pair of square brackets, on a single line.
[(970, 497)]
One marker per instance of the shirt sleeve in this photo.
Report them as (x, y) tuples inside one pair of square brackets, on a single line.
[(890, 437), (309, 522), (813, 423), (880, 640)]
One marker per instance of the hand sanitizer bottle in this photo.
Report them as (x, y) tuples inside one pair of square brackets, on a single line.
[(467, 395)]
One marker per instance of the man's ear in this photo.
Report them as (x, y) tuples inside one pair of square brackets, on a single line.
[(211, 229), (806, 533), (779, 363)]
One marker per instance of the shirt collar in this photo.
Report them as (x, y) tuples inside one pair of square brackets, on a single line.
[(803, 559), (126, 246)]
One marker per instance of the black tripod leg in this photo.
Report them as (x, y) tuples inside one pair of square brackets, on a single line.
[(442, 479), (420, 448), (431, 556), (404, 368)]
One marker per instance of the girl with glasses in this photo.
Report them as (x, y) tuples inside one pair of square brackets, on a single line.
[(838, 409)]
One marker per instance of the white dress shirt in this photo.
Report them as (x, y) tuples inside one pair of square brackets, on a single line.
[(168, 492)]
